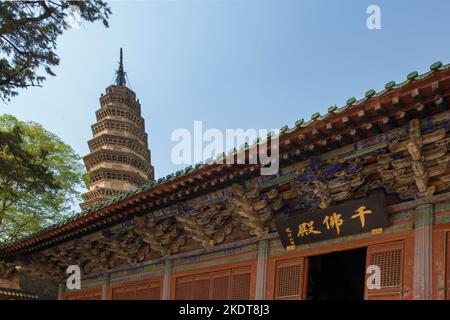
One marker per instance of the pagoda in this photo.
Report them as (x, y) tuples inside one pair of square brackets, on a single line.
[(119, 158)]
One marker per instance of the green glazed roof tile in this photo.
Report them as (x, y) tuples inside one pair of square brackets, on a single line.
[(332, 109), (299, 122), (435, 66), (412, 75), (351, 101), (370, 93), (198, 165), (390, 85)]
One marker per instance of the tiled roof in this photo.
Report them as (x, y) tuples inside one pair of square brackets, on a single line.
[(301, 123), (17, 293)]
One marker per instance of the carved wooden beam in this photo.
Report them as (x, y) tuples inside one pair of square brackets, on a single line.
[(320, 184), (209, 225), (125, 245), (254, 209), (38, 266), (412, 162), (163, 237), (93, 255), (7, 269)]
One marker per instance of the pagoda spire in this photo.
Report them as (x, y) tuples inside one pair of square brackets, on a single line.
[(120, 73)]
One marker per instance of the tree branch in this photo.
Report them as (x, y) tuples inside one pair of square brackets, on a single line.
[(13, 25)]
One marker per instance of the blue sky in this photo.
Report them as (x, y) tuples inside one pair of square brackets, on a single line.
[(233, 64)]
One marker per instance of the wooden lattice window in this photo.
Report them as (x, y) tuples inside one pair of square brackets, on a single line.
[(290, 279), (201, 287), (149, 291), (124, 293), (240, 284), (184, 288), (142, 291), (389, 262), (389, 258), (219, 285)]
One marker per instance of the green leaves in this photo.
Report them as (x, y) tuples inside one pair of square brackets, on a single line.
[(39, 178), (28, 34)]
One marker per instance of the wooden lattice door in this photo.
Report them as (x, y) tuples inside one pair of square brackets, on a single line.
[(290, 279), (389, 257), (140, 291), (124, 293), (202, 285), (220, 282), (184, 288), (231, 284), (240, 284)]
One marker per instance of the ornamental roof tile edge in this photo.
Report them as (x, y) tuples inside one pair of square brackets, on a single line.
[(18, 293), (332, 110)]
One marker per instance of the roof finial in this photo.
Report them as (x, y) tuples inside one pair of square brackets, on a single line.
[(120, 78)]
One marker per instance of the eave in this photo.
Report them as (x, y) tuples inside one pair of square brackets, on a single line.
[(418, 97)]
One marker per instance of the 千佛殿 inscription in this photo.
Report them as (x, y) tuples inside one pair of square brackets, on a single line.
[(349, 218)]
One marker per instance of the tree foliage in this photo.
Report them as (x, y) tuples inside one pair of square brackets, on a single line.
[(40, 177), (28, 34)]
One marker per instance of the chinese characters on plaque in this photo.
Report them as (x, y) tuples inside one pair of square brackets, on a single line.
[(349, 218)]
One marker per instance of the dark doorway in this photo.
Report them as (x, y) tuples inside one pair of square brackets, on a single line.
[(337, 275)]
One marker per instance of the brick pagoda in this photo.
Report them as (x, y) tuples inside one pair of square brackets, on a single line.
[(119, 158)]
